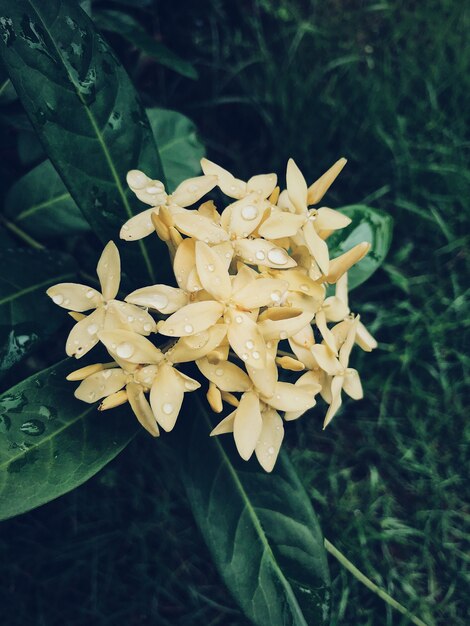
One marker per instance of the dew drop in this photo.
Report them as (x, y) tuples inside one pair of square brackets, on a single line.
[(239, 319), (152, 189), (249, 345), (106, 374), (249, 212), (67, 301), (125, 350), (90, 293), (219, 371), (167, 408), (159, 300), (278, 256), (58, 298), (188, 328), (245, 356), (260, 255), (271, 450), (92, 329), (276, 296), (232, 188), (193, 187), (304, 288), (210, 268), (255, 355), (171, 331), (147, 327), (130, 318)]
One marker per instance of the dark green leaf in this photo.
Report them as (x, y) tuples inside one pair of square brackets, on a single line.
[(130, 29), (27, 315), (85, 112), (7, 91), (368, 224), (40, 204), (260, 528), (178, 144), (30, 150), (50, 442)]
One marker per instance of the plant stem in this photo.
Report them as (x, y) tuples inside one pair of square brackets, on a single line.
[(370, 585), (22, 235)]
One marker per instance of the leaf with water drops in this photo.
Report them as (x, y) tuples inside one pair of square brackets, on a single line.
[(50, 442), (27, 315), (367, 224), (40, 204), (85, 111), (260, 528)]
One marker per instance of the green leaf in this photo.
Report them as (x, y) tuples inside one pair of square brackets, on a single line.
[(260, 528), (179, 147), (30, 150), (85, 112), (368, 224), (40, 204), (129, 28), (27, 315), (50, 442)]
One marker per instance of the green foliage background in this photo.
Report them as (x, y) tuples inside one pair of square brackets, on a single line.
[(384, 84)]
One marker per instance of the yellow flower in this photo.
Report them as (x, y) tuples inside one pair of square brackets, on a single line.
[(261, 186), (109, 313)]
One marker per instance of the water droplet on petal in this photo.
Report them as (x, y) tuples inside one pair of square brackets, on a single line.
[(255, 355), (188, 328), (89, 294), (125, 350), (152, 189), (249, 345), (193, 187), (167, 408), (249, 212), (58, 298), (219, 371), (271, 450), (147, 327), (92, 329), (278, 256), (106, 373), (160, 300), (239, 319), (260, 255), (276, 296), (245, 356), (130, 318), (304, 288), (210, 268)]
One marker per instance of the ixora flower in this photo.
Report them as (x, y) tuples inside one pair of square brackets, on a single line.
[(250, 309)]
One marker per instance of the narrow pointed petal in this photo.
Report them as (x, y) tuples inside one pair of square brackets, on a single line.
[(133, 318), (284, 203), (290, 364), (262, 184), (84, 335), (142, 410), (317, 190), (225, 426), (147, 190), (228, 184), (246, 214), (260, 292), (265, 379), (296, 187), (193, 224), (343, 263), (329, 219), (280, 323), (246, 340), (227, 376), (184, 262), (328, 337), (166, 397), (130, 347), (192, 190), (352, 384), (75, 297), (212, 272), (101, 384), (348, 344), (289, 397), (214, 398), (270, 439), (336, 401), (326, 359), (364, 339), (192, 318), (301, 282), (335, 309), (209, 210), (197, 346), (114, 400), (225, 252), (139, 226), (341, 288), (301, 344), (281, 224), (109, 271), (262, 252), (160, 298), (189, 383), (247, 424), (84, 372), (317, 247)]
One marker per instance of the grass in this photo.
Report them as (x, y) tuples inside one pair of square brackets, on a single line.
[(384, 84)]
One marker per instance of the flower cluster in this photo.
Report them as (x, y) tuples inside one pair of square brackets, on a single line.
[(251, 302)]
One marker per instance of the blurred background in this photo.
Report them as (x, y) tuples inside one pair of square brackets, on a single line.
[(386, 85)]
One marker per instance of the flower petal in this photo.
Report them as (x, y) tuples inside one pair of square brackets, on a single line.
[(348, 344), (364, 339), (129, 347), (317, 190), (160, 298), (260, 292), (328, 337), (329, 219), (262, 184), (352, 384), (301, 344), (246, 340), (132, 317), (197, 346), (296, 187), (335, 309), (109, 271), (247, 424), (229, 185), (289, 397), (193, 224), (262, 252), (101, 384), (138, 226), (227, 376), (225, 426), (344, 262), (283, 322), (265, 379), (270, 439), (147, 190), (245, 215), (141, 407), (281, 224), (84, 335), (166, 397), (310, 380), (336, 401), (317, 247), (75, 297), (192, 190), (326, 359), (192, 318), (212, 272)]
